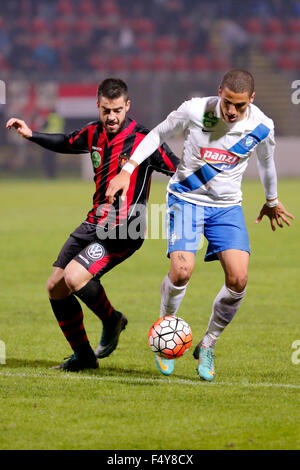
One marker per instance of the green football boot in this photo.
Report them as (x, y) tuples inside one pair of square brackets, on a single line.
[(205, 356)]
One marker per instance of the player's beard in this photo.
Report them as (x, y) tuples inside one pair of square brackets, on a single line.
[(113, 127)]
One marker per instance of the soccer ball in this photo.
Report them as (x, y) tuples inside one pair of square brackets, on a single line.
[(170, 337)]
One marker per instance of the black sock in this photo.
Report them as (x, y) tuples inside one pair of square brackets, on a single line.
[(94, 296), (68, 313)]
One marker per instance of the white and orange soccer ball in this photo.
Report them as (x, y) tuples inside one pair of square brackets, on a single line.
[(170, 337)]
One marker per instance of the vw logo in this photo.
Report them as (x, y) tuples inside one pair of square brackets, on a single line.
[(95, 251)]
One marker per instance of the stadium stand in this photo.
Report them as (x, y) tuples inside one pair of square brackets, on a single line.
[(40, 35), (50, 43)]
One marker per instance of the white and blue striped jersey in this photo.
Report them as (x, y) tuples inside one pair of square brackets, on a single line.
[(216, 153)]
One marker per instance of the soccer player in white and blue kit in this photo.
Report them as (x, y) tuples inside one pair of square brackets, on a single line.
[(204, 196)]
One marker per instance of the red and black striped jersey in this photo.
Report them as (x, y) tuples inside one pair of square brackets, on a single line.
[(108, 155)]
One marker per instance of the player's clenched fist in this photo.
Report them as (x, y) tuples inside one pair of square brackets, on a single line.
[(20, 126)]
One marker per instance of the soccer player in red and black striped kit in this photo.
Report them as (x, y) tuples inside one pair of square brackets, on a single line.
[(110, 233)]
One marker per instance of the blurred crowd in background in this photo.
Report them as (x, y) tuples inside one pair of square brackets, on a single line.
[(74, 36), (166, 50)]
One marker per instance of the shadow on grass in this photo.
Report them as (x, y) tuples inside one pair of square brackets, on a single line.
[(103, 371), (21, 363)]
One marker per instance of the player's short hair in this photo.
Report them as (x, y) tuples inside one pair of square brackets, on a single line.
[(113, 88), (238, 81)]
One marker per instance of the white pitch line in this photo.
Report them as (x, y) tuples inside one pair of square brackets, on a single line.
[(153, 381)]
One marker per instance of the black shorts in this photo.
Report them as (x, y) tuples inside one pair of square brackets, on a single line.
[(95, 255)]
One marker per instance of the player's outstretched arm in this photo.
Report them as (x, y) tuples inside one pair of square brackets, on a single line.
[(276, 214), (20, 126), (60, 143)]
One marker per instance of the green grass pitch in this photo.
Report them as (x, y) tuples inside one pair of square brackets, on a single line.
[(126, 404)]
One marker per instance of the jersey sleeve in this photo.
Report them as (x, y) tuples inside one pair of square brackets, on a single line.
[(74, 143), (266, 165), (176, 122), (77, 141), (164, 160)]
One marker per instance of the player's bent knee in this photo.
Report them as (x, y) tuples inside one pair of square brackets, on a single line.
[(237, 283), (74, 279), (182, 279), (76, 276), (71, 280), (51, 287), (57, 288), (181, 275), (182, 266)]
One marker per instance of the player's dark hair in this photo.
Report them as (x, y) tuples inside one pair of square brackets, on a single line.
[(113, 88), (238, 81)]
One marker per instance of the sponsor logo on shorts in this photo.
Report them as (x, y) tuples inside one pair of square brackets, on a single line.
[(84, 259), (95, 251), (218, 156)]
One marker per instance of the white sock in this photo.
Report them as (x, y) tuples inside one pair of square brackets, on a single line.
[(171, 297), (225, 306)]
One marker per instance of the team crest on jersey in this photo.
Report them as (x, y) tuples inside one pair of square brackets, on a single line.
[(96, 159), (209, 119), (95, 251), (249, 142), (219, 158), (123, 158)]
